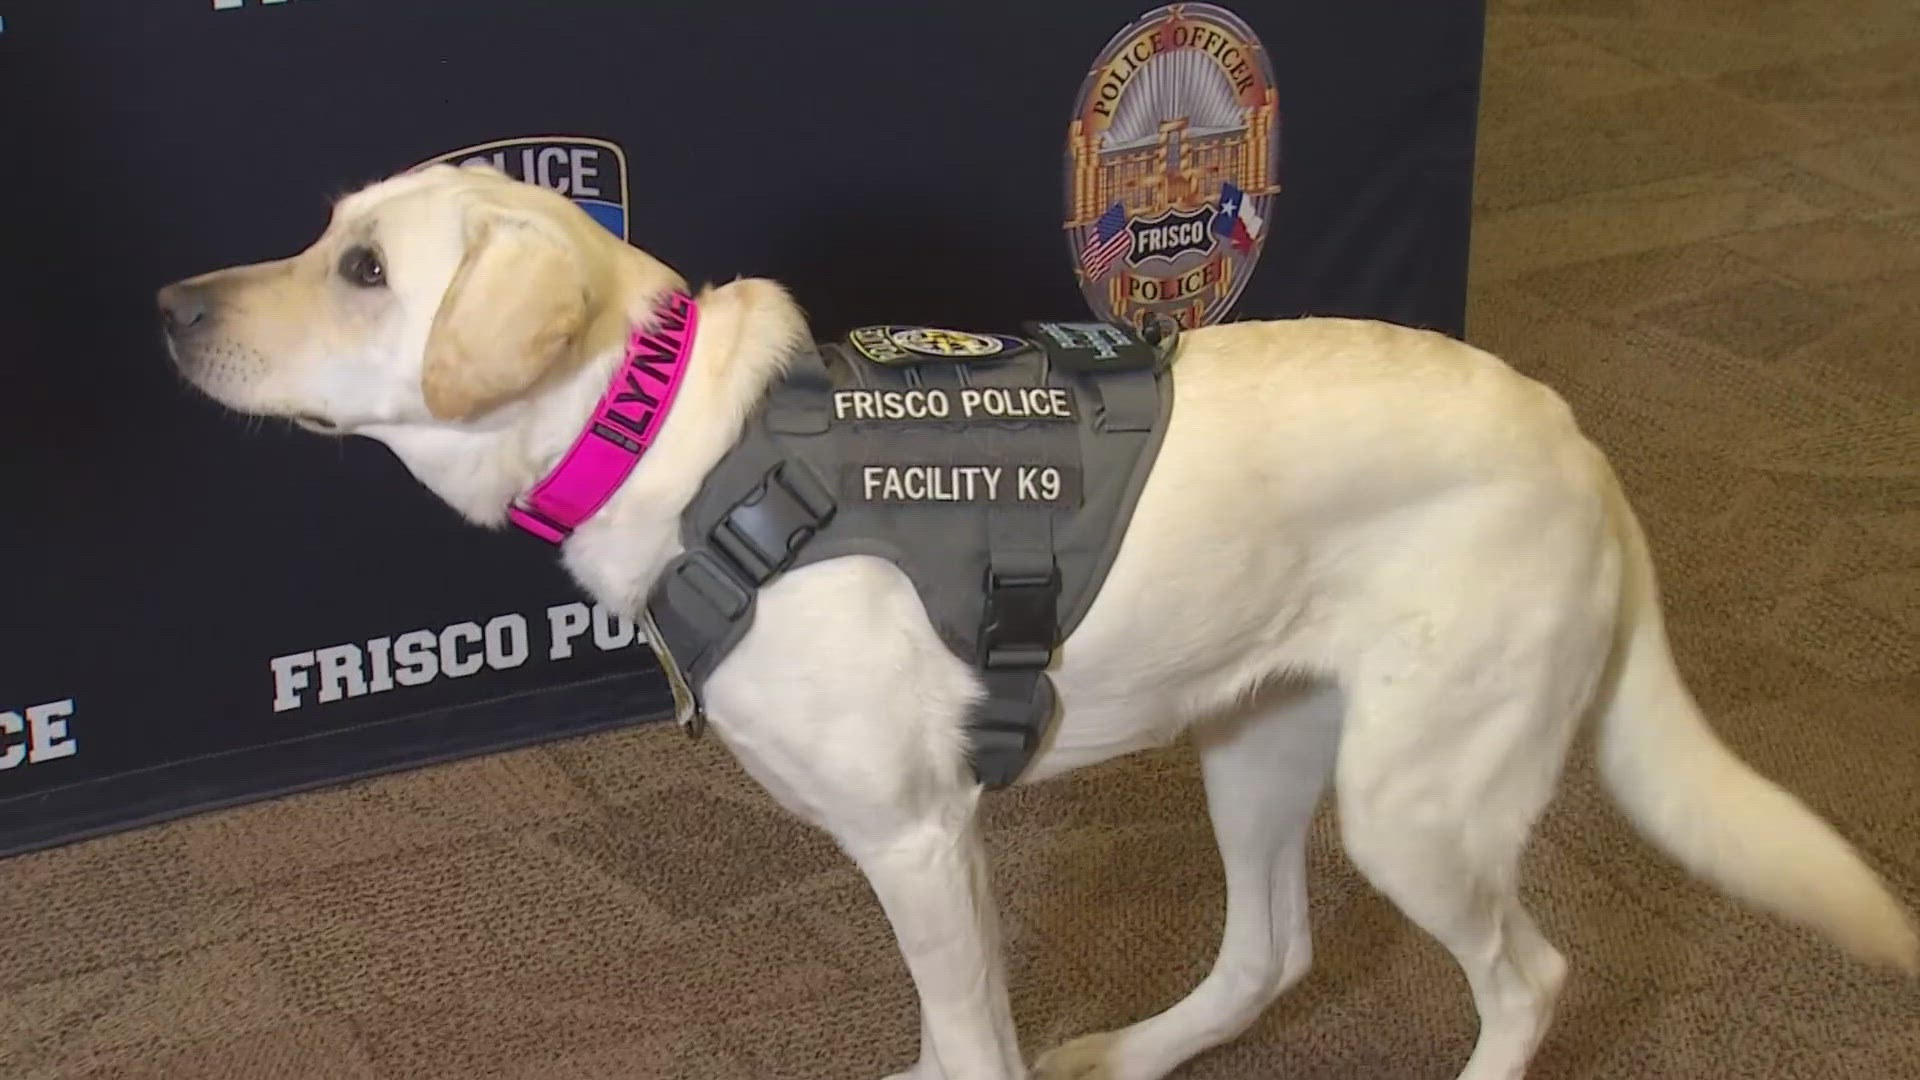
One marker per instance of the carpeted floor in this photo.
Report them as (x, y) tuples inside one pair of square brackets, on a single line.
[(1700, 220)]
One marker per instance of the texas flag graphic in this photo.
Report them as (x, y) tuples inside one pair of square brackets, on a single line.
[(1237, 220)]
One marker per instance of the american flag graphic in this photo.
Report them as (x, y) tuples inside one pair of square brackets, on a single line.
[(1108, 241)]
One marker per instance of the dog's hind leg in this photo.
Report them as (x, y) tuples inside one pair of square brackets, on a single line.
[(1459, 716), (1265, 770), (1450, 861)]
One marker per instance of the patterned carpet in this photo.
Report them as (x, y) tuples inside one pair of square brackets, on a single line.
[(1699, 220)]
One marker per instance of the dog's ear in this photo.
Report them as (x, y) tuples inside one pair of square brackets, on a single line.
[(515, 311)]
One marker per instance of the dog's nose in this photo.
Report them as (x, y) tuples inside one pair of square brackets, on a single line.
[(183, 307)]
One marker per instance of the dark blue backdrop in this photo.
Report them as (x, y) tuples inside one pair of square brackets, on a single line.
[(160, 563)]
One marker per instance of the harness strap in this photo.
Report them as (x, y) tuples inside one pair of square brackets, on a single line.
[(710, 588), (697, 601), (1126, 403), (704, 595), (764, 531), (1018, 630), (805, 408)]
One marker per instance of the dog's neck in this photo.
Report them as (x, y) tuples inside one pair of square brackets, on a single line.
[(747, 332)]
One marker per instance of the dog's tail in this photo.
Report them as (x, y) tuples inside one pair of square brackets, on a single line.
[(1687, 792)]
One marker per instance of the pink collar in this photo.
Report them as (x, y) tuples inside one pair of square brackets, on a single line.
[(623, 425)]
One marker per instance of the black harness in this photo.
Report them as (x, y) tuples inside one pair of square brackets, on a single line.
[(998, 472)]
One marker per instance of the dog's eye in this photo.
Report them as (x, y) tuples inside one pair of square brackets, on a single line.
[(362, 266)]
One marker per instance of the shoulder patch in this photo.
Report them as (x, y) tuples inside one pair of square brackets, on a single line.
[(1095, 346), (921, 344)]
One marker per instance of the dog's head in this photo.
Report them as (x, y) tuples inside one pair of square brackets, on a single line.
[(432, 298)]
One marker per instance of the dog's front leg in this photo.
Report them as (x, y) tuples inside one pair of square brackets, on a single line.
[(847, 707), (930, 875)]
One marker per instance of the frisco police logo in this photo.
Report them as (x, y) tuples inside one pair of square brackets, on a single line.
[(1173, 159), (910, 344), (591, 172), (1171, 235)]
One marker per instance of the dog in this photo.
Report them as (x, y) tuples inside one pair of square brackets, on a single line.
[(1364, 553)]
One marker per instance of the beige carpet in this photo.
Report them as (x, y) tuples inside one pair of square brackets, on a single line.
[(1700, 220)]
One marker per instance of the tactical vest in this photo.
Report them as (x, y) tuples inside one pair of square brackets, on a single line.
[(997, 472)]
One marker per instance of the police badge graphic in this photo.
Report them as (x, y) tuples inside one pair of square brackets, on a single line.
[(1173, 160), (591, 172), (907, 344)]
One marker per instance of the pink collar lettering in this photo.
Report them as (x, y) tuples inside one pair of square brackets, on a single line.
[(622, 427)]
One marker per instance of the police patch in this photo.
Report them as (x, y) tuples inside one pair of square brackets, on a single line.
[(1038, 483), (1172, 164), (966, 405), (1094, 347), (591, 172), (913, 344)]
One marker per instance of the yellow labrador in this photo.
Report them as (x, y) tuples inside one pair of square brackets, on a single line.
[(1400, 566)]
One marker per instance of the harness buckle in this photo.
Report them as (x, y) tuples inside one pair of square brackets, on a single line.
[(1022, 616), (765, 531)]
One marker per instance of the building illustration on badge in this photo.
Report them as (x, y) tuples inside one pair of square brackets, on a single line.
[(591, 172), (1173, 160)]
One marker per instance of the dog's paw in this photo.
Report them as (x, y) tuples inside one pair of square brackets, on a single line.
[(1085, 1058)]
